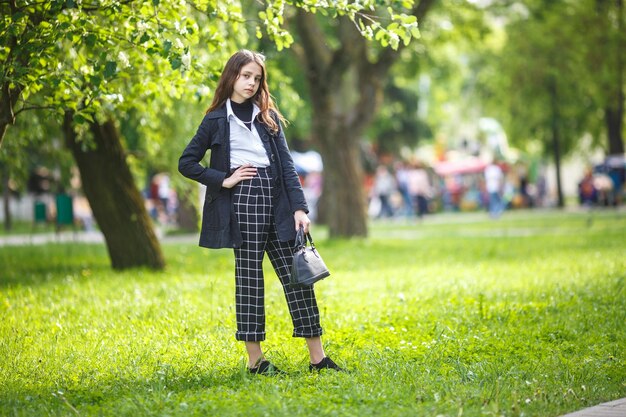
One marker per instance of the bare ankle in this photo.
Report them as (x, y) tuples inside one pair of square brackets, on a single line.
[(255, 353), (254, 361), (317, 358)]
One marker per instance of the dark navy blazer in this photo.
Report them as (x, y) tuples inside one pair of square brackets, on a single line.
[(220, 228)]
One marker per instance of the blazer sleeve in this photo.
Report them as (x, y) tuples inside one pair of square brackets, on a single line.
[(290, 176), (189, 162)]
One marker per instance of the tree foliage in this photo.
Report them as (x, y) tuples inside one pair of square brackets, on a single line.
[(553, 46), (430, 90), (86, 55), (108, 65)]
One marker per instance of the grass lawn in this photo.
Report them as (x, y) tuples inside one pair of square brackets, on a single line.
[(457, 316), (27, 228)]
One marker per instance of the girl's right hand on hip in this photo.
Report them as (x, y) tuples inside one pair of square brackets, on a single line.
[(244, 172)]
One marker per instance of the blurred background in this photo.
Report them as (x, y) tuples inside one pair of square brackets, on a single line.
[(449, 106)]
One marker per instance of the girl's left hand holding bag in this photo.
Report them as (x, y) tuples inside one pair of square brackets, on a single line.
[(301, 219)]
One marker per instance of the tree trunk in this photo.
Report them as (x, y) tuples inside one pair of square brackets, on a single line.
[(115, 200), (187, 213), (8, 98), (345, 86), (610, 70), (6, 198), (556, 147), (343, 194), (614, 123), (615, 114)]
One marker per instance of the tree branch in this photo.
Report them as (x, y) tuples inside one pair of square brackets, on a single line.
[(26, 108), (353, 49), (94, 8), (317, 55)]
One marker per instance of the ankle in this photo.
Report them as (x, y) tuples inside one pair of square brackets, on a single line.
[(315, 359), (254, 361)]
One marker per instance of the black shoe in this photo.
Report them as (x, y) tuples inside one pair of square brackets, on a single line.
[(326, 363), (266, 368)]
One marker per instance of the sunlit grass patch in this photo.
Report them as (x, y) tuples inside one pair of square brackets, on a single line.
[(523, 316)]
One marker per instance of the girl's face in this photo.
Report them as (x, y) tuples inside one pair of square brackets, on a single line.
[(247, 84)]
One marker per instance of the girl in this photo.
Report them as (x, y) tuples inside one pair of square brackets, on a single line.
[(254, 203)]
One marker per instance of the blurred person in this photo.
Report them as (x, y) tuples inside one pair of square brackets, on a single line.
[(587, 193), (172, 206), (494, 182), (419, 188), (312, 187), (402, 181), (254, 203), (164, 194), (541, 188), (604, 189), (153, 197), (384, 186), (617, 175)]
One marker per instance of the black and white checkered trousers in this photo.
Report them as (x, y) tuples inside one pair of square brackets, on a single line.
[(253, 207)]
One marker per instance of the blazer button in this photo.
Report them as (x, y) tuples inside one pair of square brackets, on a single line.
[(209, 198), (272, 157)]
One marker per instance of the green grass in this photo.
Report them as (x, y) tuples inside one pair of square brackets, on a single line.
[(523, 316), (27, 228)]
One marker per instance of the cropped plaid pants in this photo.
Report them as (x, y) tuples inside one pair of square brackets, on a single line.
[(253, 209)]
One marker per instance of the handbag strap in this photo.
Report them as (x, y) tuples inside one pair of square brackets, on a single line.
[(308, 235), (301, 239)]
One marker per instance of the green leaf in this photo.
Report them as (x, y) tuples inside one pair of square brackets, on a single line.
[(88, 116), (109, 69), (167, 45), (79, 119), (175, 63), (408, 19), (96, 80), (91, 39)]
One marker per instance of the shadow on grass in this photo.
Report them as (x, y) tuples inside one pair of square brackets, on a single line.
[(35, 265), (163, 390)]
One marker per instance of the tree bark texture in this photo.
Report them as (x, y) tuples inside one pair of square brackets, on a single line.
[(556, 147), (613, 43), (615, 114), (6, 198), (8, 99), (115, 200), (188, 218), (344, 196), (345, 85), (615, 125)]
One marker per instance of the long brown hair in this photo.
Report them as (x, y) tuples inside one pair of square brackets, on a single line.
[(262, 98)]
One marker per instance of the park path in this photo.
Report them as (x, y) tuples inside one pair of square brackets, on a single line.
[(79, 237), (615, 408)]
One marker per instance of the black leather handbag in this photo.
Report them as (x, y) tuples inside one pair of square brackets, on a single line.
[(308, 266)]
